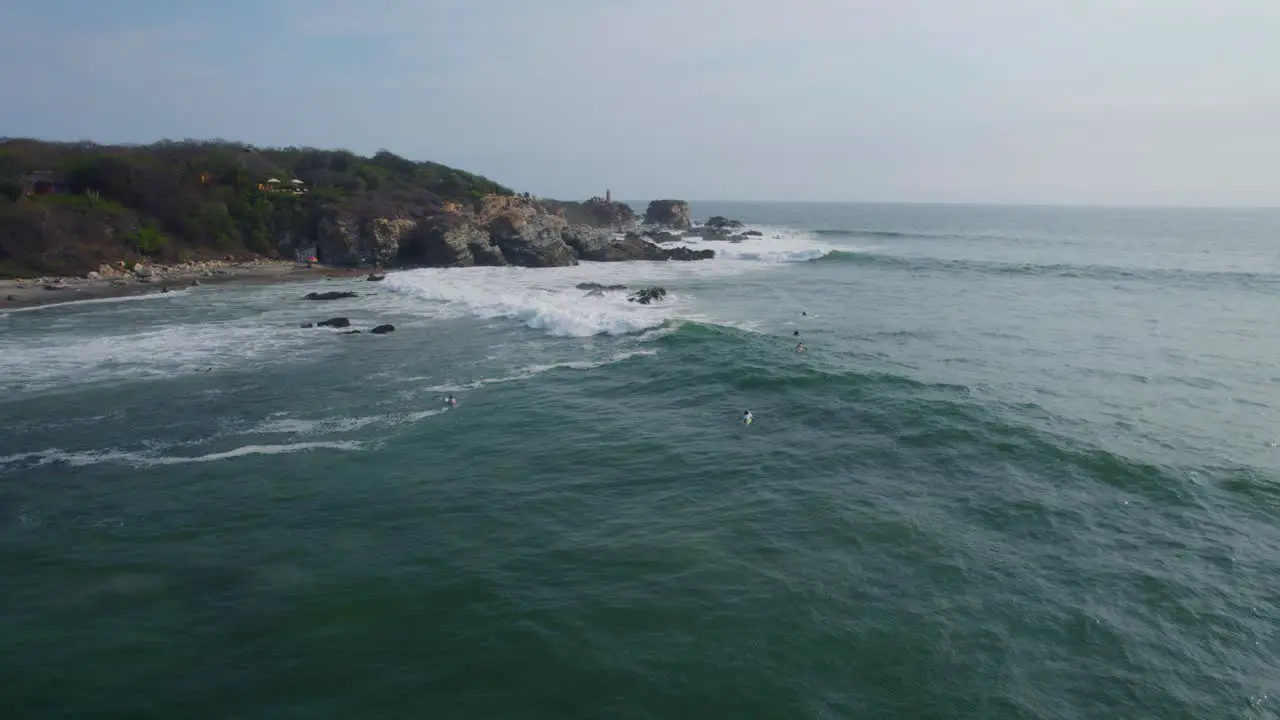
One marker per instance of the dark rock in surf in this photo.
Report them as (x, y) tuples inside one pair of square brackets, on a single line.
[(720, 222), (383, 329), (374, 277), (307, 325), (351, 332), (665, 237), (338, 322), (331, 295), (598, 286), (684, 253), (648, 295), (668, 213), (754, 233)]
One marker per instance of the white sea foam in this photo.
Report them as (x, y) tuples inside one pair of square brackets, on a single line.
[(142, 459), (530, 371), (62, 358), (543, 299), (774, 247), (548, 298), (63, 305), (284, 425)]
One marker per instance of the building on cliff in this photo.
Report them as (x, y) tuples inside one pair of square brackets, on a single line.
[(274, 185), (40, 182)]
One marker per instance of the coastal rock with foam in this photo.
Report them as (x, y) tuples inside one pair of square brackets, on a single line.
[(669, 213), (525, 232), (450, 240)]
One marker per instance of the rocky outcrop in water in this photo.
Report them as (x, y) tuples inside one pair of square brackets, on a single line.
[(669, 213), (331, 295), (383, 329), (720, 222), (596, 213), (648, 295), (503, 230), (338, 322), (531, 240), (450, 240)]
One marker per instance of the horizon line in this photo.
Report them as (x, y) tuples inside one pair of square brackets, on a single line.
[(978, 203)]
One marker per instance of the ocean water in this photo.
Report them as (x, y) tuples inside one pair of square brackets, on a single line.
[(1028, 468)]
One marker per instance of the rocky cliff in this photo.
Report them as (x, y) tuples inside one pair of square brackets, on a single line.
[(498, 230), (669, 213), (596, 212)]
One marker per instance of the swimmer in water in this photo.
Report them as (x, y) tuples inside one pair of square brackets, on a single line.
[(799, 347), (747, 417), (796, 333), (451, 402)]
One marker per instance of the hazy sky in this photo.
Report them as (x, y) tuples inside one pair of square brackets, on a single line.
[(1069, 101)]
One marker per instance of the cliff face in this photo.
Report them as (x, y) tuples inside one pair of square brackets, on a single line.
[(525, 232), (498, 231), (449, 240), (669, 213), (596, 213)]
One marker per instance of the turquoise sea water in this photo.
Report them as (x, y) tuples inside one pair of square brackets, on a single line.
[(1027, 469)]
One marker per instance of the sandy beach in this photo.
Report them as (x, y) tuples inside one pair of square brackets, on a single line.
[(50, 290)]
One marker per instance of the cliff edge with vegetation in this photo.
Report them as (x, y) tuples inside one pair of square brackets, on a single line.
[(67, 208)]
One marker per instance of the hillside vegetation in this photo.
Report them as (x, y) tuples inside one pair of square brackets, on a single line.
[(179, 200)]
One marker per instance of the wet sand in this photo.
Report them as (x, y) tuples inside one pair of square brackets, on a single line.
[(33, 292)]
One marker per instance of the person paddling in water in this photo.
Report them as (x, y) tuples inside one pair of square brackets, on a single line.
[(747, 417), (799, 347), (451, 402)]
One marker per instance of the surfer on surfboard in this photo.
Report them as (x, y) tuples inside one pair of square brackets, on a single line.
[(747, 417), (451, 402)]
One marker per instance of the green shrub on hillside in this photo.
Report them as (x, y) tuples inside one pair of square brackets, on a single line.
[(148, 240)]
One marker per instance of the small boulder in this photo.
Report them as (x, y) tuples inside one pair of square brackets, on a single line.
[(92, 276), (598, 286), (351, 332), (648, 295), (338, 322), (331, 295), (383, 329), (754, 233), (142, 271), (374, 277), (195, 282), (720, 222), (684, 253), (307, 325)]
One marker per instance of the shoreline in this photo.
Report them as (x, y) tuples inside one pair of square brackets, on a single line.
[(32, 293)]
